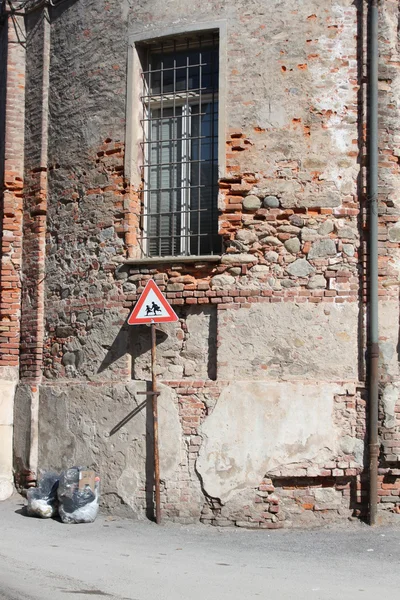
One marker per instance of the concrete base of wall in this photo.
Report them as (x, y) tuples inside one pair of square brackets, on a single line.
[(253, 453), (8, 382)]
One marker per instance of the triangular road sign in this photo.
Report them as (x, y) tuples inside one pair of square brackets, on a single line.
[(152, 307)]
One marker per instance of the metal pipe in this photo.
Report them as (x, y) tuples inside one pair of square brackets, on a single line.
[(372, 188), (154, 397)]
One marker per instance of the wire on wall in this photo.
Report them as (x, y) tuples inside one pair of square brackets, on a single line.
[(27, 6)]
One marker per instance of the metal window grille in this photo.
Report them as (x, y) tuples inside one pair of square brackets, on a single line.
[(180, 139)]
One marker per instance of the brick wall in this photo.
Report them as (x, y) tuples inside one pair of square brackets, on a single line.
[(35, 196), (12, 100), (12, 180)]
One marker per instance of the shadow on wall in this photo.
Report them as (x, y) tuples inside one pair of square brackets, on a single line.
[(186, 349), (126, 343), (149, 469), (190, 341)]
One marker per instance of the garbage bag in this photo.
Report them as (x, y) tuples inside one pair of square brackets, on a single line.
[(42, 500), (78, 495)]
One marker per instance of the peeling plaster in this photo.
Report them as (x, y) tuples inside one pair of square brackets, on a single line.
[(258, 426)]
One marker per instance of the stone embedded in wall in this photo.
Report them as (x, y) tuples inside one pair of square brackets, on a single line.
[(300, 268), (251, 203), (352, 446), (326, 228), (322, 248), (288, 283), (246, 236), (69, 359), (259, 271), (229, 259), (293, 245), (271, 202), (394, 233), (327, 499), (390, 398), (346, 232), (270, 240), (331, 200), (259, 426), (316, 282), (64, 331), (348, 249), (221, 281), (271, 256), (289, 229), (308, 234), (296, 220)]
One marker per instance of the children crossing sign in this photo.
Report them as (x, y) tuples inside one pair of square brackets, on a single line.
[(152, 307)]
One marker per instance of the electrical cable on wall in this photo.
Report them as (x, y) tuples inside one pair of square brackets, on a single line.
[(27, 6)]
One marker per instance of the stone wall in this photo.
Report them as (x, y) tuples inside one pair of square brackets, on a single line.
[(263, 407)]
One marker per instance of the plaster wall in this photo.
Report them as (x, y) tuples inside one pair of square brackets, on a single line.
[(8, 382), (84, 425), (257, 427), (289, 342)]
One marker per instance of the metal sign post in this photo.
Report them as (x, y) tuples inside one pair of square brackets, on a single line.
[(152, 308), (155, 423)]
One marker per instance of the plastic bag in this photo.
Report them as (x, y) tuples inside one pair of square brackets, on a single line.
[(78, 501), (42, 500)]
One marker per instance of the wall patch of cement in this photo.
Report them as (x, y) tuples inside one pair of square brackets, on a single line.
[(8, 382), (81, 424), (271, 341), (259, 426), (22, 429)]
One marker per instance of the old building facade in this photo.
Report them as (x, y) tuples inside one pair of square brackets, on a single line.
[(218, 148)]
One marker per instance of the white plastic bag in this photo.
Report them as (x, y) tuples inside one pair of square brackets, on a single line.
[(77, 504), (42, 500)]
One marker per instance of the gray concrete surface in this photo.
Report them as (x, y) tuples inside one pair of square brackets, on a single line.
[(128, 560)]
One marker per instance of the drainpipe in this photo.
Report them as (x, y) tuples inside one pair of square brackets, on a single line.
[(372, 190)]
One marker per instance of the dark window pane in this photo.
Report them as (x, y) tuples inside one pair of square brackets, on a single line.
[(181, 147)]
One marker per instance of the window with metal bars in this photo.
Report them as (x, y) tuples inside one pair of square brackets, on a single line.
[(180, 138)]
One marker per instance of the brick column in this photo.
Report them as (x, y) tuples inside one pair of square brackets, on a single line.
[(35, 218), (12, 109)]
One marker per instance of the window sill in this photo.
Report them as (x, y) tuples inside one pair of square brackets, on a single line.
[(157, 260)]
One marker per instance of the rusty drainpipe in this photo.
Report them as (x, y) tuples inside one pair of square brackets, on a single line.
[(372, 191)]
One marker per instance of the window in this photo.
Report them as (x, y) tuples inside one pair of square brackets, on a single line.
[(180, 147)]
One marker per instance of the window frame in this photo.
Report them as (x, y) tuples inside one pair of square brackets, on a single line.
[(134, 156)]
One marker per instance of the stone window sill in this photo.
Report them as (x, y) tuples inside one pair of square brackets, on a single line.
[(158, 260)]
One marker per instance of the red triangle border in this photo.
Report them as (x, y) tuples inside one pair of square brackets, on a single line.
[(152, 286)]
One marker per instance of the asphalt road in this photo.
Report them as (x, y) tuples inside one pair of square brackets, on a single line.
[(124, 560)]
